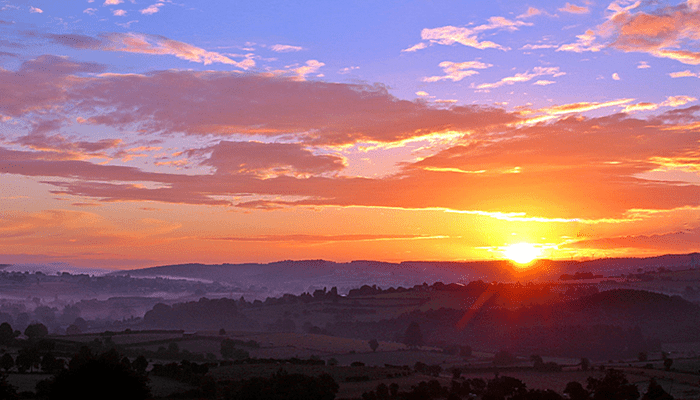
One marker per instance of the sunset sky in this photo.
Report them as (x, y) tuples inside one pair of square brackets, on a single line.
[(136, 133)]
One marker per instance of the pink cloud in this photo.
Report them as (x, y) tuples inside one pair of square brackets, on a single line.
[(270, 158)]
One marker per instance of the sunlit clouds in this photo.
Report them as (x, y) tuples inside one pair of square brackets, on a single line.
[(146, 133)]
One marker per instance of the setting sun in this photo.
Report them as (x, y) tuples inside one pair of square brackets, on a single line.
[(522, 253)]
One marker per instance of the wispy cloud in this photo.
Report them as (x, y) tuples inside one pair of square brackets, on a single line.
[(152, 9), (574, 9), (582, 106), (531, 12), (449, 35), (35, 10), (523, 77), (285, 48), (415, 47), (457, 71), (684, 74)]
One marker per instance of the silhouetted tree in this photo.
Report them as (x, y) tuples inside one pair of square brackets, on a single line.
[(6, 333), (373, 344), (667, 364), (284, 386), (222, 331), (140, 364), (73, 329), (103, 378), (27, 359), (7, 391), (229, 350), (575, 391), (7, 362), (413, 337), (642, 356), (656, 392), (585, 364), (613, 385), (36, 331), (537, 360)]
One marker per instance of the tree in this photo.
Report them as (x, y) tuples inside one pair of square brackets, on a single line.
[(229, 350), (73, 329), (537, 360), (7, 391), (50, 364), (575, 391), (140, 365), (585, 364), (27, 359), (6, 333), (667, 364), (413, 337), (7, 362), (36, 331), (373, 344), (103, 378), (656, 392), (613, 385), (642, 356)]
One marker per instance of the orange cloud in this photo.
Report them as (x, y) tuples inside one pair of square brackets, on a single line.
[(574, 9)]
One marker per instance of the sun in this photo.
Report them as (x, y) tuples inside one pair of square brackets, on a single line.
[(522, 253)]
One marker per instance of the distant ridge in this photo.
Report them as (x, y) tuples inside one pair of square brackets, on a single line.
[(300, 275)]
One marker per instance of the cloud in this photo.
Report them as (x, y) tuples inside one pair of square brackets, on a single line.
[(152, 9), (668, 32), (584, 42), (676, 101), (537, 46), (531, 12), (671, 101), (543, 82), (119, 13), (559, 163), (152, 44), (311, 67), (146, 44), (316, 112), (684, 74), (682, 241), (582, 107), (574, 9), (270, 159), (90, 11), (347, 70), (457, 71), (285, 48), (643, 65), (523, 77), (112, 2), (35, 10), (415, 47), (449, 35), (616, 76)]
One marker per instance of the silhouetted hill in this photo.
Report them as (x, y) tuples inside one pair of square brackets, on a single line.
[(297, 276)]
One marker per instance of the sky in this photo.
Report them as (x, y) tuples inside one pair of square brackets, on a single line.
[(138, 133)]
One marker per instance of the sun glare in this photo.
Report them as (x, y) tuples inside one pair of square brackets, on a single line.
[(522, 253)]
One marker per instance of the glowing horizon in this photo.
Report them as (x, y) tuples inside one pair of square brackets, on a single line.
[(138, 134)]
